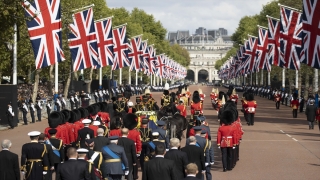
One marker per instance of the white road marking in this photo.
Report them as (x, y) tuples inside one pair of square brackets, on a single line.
[(288, 135), (294, 139), (281, 131)]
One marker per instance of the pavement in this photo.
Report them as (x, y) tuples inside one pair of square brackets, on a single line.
[(276, 147)]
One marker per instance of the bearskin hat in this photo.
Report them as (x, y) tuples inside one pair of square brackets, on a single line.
[(295, 96), (84, 112), (93, 109), (196, 97), (166, 92), (66, 114), (138, 99), (77, 114), (73, 117), (113, 99), (230, 105), (221, 94), (119, 95), (130, 121), (55, 119), (104, 107), (227, 116), (249, 97)]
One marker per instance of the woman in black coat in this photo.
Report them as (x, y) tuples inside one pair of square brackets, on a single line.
[(311, 113)]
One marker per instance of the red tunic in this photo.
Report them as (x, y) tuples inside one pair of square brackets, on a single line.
[(226, 136), (115, 132), (59, 133), (196, 107), (250, 107), (234, 98), (130, 110), (294, 104), (213, 96), (277, 97), (318, 114), (182, 109), (134, 135), (105, 117), (70, 129)]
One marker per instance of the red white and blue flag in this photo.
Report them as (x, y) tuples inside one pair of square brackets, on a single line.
[(262, 50), (274, 42), (311, 29), (290, 38), (120, 48), (83, 41), (250, 54), (44, 29), (160, 65), (105, 41), (145, 57), (135, 53), (151, 59)]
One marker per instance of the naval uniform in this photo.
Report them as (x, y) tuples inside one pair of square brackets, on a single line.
[(163, 136), (34, 160), (146, 137)]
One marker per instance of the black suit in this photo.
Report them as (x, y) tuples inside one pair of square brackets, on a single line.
[(73, 169), (130, 150), (190, 178), (82, 135), (9, 166), (181, 160), (58, 154), (195, 155), (159, 169), (99, 142)]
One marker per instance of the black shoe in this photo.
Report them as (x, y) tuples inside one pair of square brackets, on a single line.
[(31, 122), (229, 169), (224, 170), (37, 120), (25, 124)]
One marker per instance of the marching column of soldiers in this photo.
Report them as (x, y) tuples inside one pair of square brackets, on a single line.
[(75, 134)]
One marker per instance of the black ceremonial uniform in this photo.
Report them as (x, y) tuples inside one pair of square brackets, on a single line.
[(34, 160), (58, 150), (49, 152), (151, 148), (146, 137), (73, 169), (139, 107), (90, 168), (119, 106), (97, 161), (38, 108), (84, 134)]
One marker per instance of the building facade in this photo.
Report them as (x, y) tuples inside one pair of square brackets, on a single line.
[(204, 49)]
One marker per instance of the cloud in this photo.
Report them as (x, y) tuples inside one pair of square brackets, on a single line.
[(191, 14)]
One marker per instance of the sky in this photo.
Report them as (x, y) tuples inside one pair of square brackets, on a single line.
[(191, 14)]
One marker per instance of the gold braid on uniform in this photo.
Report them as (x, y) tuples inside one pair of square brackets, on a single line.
[(45, 168)]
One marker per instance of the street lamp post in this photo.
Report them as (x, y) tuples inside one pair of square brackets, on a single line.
[(13, 58)]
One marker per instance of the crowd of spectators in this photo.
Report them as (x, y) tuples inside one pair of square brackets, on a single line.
[(25, 91)]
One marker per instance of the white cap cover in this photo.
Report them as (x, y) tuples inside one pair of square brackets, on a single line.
[(96, 123), (82, 150), (34, 133), (86, 121)]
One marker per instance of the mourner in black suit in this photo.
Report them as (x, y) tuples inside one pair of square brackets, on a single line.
[(49, 151), (73, 169), (85, 133), (82, 156), (9, 163), (191, 171), (180, 158), (10, 115), (100, 140), (34, 159), (195, 155), (159, 168), (130, 150), (38, 108), (57, 147)]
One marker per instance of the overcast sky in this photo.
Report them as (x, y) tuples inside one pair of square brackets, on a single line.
[(191, 14)]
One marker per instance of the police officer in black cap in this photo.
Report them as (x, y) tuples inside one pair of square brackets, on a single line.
[(163, 135)]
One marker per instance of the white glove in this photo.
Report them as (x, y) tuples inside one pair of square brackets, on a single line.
[(22, 172), (212, 163), (167, 149), (126, 173), (206, 164), (44, 172), (233, 147), (138, 155), (218, 147), (203, 171)]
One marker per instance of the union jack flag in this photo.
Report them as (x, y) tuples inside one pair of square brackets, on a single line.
[(145, 55), (274, 42), (135, 53), (83, 41), (160, 65), (262, 50), (105, 41), (45, 31), (311, 28), (251, 50), (120, 48), (151, 59), (290, 37)]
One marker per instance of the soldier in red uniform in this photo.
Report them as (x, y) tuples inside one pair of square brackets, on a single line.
[(226, 139), (234, 96), (56, 120), (213, 98), (295, 105), (115, 126), (196, 110), (182, 108), (188, 95), (202, 95), (220, 102), (277, 99), (250, 108), (130, 121)]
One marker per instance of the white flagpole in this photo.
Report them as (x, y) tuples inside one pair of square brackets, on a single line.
[(283, 78), (100, 78), (251, 79), (161, 81), (316, 80), (257, 78), (120, 78), (154, 79), (129, 79), (56, 72), (137, 77), (151, 79), (297, 79), (261, 82)]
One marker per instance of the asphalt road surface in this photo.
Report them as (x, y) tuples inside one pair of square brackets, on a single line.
[(276, 147)]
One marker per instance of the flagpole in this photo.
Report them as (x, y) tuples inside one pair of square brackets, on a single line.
[(129, 79), (100, 78), (120, 78), (261, 82), (257, 78), (297, 79), (86, 7), (151, 79), (269, 83), (316, 80), (283, 78), (161, 81), (56, 72), (251, 79), (137, 77), (154, 79), (289, 7)]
